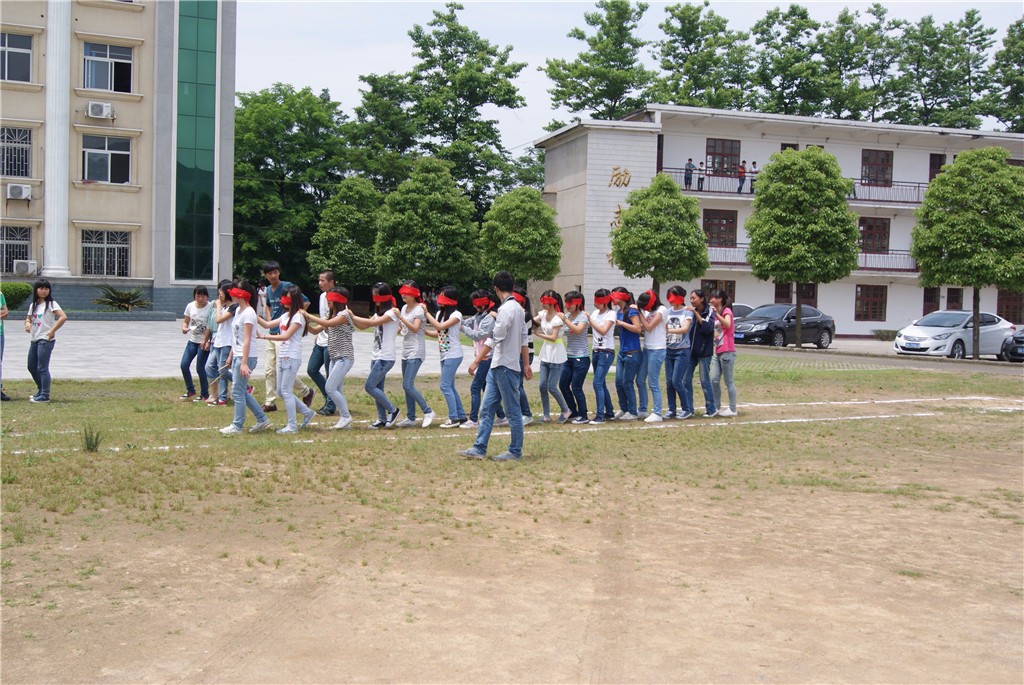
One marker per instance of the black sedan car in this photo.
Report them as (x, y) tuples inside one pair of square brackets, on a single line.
[(775, 324), (1013, 347)]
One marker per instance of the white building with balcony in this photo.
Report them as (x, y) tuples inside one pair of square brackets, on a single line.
[(591, 166)]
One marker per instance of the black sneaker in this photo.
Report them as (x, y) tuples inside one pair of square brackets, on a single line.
[(392, 417), (377, 424), (4, 397)]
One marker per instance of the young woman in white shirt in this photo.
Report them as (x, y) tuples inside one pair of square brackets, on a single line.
[(289, 355), (447, 329), (382, 355), (243, 360), (44, 318), (577, 363), (414, 351), (552, 354), (602, 326), (654, 323)]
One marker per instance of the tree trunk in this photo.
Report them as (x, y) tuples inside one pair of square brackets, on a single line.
[(976, 316), (655, 286)]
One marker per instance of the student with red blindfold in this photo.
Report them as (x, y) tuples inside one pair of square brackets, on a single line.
[(292, 326), (382, 355), (478, 328), (414, 351), (447, 328), (602, 325), (340, 350), (243, 360), (677, 357), (652, 320), (630, 354), (519, 293), (552, 353), (274, 310), (577, 362)]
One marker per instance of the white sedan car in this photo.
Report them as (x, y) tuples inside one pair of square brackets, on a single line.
[(950, 333)]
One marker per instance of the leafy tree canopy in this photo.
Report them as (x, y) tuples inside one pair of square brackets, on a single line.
[(345, 241), (1006, 99), (788, 73), (383, 137), (519, 235)]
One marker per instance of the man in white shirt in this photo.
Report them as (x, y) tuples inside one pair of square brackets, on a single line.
[(510, 358)]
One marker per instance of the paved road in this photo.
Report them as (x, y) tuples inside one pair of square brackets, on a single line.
[(88, 350)]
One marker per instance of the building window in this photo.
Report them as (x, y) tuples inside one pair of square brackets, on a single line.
[(105, 253), (16, 244), (955, 298), (1010, 305), (874, 234), (720, 227), (728, 286), (783, 293), (1015, 162), (806, 292), (870, 305), (16, 144), (106, 159), (935, 162), (876, 167), (788, 146), (723, 156), (15, 57), (108, 67), (931, 301)]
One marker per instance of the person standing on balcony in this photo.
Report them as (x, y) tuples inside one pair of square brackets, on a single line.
[(688, 173), (700, 177), (753, 176), (741, 174)]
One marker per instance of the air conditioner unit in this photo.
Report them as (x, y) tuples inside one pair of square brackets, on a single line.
[(100, 110), (19, 191), (25, 267)]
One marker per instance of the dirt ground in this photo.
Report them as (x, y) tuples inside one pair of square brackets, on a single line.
[(626, 576)]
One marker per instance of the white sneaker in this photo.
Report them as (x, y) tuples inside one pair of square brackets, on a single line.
[(405, 423), (343, 422), (527, 420), (428, 419), (450, 424), (261, 426), (726, 412), (619, 414), (653, 418), (627, 417), (287, 430), (469, 423), (500, 422), (230, 430)]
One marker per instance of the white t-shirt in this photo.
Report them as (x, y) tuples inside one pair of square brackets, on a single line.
[(655, 339), (223, 336), (292, 347), (384, 338), (414, 346), (675, 319), (448, 343), (552, 352), (238, 328), (325, 313), (606, 341), (197, 318), (43, 318)]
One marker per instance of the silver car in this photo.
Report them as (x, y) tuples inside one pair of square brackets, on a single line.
[(950, 333)]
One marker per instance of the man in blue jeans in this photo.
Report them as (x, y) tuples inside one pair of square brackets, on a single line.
[(509, 362), (318, 358)]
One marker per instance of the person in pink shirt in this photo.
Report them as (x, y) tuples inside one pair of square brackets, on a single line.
[(723, 364)]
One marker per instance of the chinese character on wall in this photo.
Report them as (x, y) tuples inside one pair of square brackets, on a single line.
[(620, 177), (616, 221)]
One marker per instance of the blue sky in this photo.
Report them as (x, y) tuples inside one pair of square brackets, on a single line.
[(330, 43)]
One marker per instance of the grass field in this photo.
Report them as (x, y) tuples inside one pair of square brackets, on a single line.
[(853, 524)]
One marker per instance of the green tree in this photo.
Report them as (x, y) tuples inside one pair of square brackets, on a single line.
[(660, 235), (788, 71), (844, 58), (801, 229), (1005, 100), (344, 242), (426, 230), (970, 226), (882, 44), (607, 79), (383, 137), (289, 153), (704, 64), (457, 76), (519, 235)]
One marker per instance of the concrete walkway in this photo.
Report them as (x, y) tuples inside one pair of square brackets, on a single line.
[(91, 350)]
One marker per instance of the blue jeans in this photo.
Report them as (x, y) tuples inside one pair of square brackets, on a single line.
[(654, 359), (39, 352), (476, 390), (318, 359), (194, 350), (502, 390), (571, 384), (411, 367), (641, 383), (676, 362), (374, 387), (287, 370), (334, 383), (524, 402), (451, 398), (550, 375), (705, 383), (240, 395), (724, 366), (218, 358), (625, 379), (602, 398)]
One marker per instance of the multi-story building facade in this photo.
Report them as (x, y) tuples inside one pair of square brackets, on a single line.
[(117, 145), (591, 166)]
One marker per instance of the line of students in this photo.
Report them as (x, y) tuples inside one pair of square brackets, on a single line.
[(685, 339)]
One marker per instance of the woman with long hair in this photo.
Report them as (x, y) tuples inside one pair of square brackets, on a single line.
[(414, 350), (243, 360), (447, 329), (723, 364), (382, 354), (293, 327), (340, 351), (577, 353), (602, 328), (552, 354), (44, 319)]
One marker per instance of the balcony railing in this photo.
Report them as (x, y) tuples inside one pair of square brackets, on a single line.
[(893, 260), (898, 192)]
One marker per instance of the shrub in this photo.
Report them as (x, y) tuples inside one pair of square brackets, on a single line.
[(15, 292), (124, 300), (885, 333), (91, 439)]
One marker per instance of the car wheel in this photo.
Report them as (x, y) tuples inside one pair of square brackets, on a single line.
[(778, 339), (958, 351), (1000, 357), (824, 340)]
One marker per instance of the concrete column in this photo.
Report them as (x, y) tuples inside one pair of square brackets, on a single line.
[(58, 131)]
